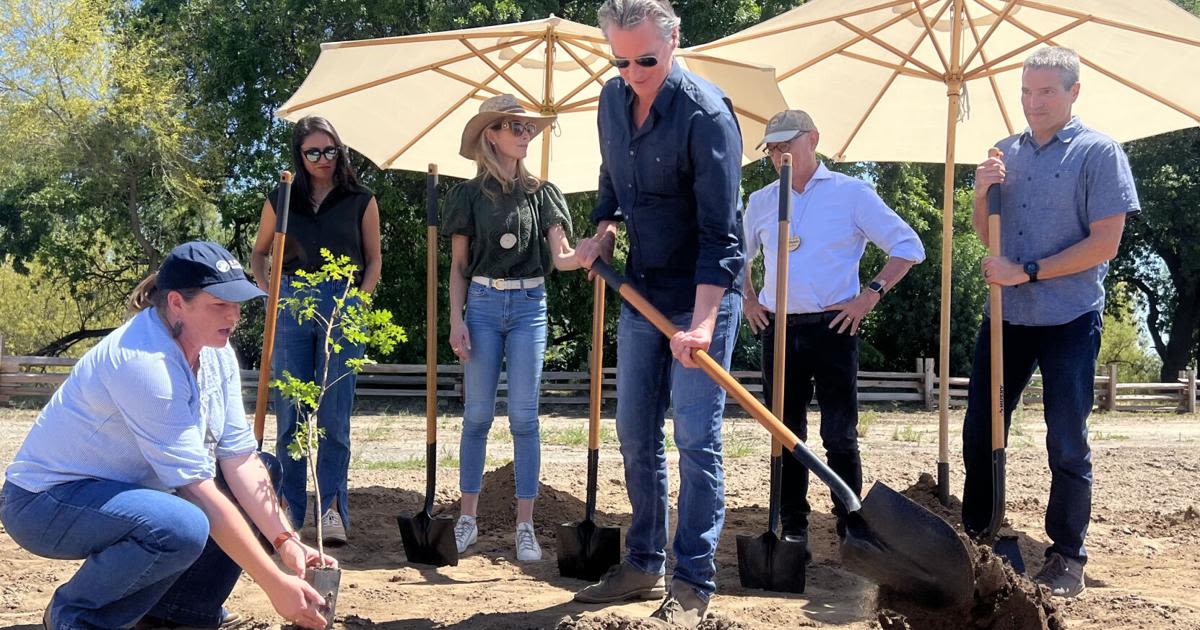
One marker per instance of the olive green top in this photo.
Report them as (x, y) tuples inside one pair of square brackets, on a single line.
[(527, 217)]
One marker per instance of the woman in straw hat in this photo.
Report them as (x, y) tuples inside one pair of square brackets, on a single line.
[(508, 229)]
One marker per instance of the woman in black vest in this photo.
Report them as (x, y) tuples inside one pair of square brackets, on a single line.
[(329, 209), (508, 230)]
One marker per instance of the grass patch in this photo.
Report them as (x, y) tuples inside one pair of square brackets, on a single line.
[(906, 433), (866, 420), (1104, 436), (412, 462), (574, 436), (377, 433), (738, 445)]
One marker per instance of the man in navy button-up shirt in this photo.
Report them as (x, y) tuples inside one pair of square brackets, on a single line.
[(670, 172), (1064, 192)]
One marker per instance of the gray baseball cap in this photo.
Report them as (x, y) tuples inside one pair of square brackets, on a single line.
[(786, 125)]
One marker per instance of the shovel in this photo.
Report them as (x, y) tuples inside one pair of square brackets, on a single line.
[(769, 562), (1005, 546), (428, 539), (586, 551), (272, 313), (890, 540)]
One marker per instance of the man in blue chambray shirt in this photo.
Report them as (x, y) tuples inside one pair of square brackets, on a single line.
[(670, 172), (833, 218), (1065, 191)]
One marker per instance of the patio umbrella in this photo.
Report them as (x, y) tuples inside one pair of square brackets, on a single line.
[(403, 101), (877, 76)]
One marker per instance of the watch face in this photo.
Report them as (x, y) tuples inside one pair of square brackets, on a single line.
[(1031, 267)]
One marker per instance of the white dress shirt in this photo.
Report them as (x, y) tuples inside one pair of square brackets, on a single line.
[(834, 218)]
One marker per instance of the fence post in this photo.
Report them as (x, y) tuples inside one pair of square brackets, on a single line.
[(925, 367), (1189, 392), (1110, 402)]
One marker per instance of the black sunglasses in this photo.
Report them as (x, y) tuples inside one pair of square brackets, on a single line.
[(649, 61), (517, 127), (314, 154)]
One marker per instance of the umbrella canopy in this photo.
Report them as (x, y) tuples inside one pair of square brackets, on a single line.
[(939, 81), (874, 74), (403, 101)]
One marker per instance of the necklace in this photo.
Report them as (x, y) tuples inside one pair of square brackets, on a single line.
[(793, 243)]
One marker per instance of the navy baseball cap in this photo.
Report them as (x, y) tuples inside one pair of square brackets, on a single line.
[(208, 266)]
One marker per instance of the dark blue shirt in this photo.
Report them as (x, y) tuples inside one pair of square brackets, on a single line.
[(674, 182)]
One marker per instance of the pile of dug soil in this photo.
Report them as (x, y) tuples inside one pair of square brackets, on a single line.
[(1003, 599), (616, 621), (497, 510)]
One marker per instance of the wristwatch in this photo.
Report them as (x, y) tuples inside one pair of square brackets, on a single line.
[(1031, 269), (876, 286)]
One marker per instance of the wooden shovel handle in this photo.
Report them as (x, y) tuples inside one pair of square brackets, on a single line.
[(272, 312), (996, 323), (781, 294)]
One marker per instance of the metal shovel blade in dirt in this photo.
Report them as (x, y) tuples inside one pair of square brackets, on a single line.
[(769, 562), (429, 539), (890, 540), (586, 550), (1005, 546)]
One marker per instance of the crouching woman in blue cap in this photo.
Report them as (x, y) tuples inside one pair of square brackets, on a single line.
[(142, 465)]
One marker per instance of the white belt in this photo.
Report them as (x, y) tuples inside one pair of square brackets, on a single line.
[(501, 284)]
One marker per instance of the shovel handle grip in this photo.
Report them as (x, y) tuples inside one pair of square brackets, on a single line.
[(272, 312), (747, 400), (431, 280)]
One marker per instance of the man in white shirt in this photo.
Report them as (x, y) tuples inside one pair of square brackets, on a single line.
[(833, 216)]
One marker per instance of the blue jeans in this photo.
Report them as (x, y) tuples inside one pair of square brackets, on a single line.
[(508, 326), (1067, 356), (648, 380), (145, 552), (299, 350)]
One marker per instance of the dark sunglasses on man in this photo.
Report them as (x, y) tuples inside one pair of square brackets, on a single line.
[(314, 154), (648, 61)]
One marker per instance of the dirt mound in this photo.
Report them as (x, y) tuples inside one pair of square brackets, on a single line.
[(616, 621), (1003, 599), (497, 510)]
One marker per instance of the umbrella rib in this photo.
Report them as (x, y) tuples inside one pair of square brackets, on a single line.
[(892, 49), (469, 95), (979, 43), (794, 27), (491, 64), (932, 37), (886, 86), (1038, 39), (1113, 23), (749, 114), (991, 78), (394, 77), (1108, 73), (579, 106), (593, 75), (891, 66), (474, 84), (850, 42), (437, 37)]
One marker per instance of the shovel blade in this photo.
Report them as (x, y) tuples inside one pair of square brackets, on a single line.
[(898, 544), (586, 551), (1007, 547), (428, 539), (770, 563)]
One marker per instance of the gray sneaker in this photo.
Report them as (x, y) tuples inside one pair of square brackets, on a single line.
[(333, 531), (1062, 575), (682, 608), (623, 582)]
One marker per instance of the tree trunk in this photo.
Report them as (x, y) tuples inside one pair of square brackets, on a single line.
[(1185, 320)]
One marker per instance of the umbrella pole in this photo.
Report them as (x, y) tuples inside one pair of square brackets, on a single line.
[(953, 94)]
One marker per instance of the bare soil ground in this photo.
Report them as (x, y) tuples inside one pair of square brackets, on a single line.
[(1144, 570)]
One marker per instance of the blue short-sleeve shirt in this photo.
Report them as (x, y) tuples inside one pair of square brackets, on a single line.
[(132, 410), (1050, 197)]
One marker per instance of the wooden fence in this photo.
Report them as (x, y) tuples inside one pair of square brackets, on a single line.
[(36, 378)]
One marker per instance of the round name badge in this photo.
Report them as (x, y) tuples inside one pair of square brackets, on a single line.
[(508, 240), (793, 243)]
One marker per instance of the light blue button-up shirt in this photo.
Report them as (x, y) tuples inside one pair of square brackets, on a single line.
[(1050, 197), (834, 218), (133, 411)]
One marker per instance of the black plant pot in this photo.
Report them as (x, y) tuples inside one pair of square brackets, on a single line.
[(326, 580)]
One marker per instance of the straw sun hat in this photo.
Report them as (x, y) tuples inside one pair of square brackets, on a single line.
[(492, 111)]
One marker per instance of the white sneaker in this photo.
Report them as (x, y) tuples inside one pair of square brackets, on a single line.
[(465, 532), (528, 549)]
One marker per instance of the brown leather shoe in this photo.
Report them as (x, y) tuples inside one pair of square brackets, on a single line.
[(623, 582), (682, 608)]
